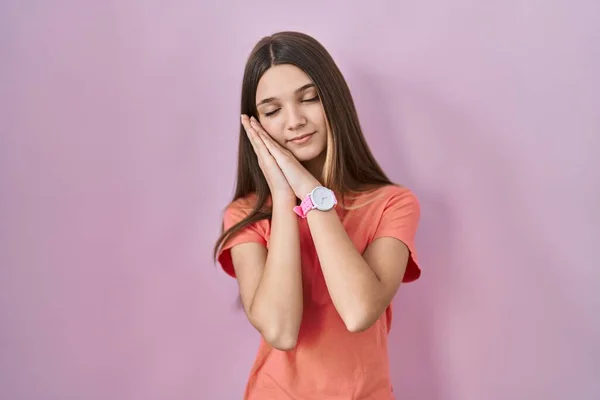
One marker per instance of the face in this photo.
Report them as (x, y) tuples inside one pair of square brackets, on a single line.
[(290, 110)]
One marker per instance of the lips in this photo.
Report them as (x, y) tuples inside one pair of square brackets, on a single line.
[(301, 138)]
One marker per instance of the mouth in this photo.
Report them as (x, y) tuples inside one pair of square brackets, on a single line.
[(302, 138)]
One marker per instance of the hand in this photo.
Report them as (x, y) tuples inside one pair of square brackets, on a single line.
[(300, 180), (278, 184)]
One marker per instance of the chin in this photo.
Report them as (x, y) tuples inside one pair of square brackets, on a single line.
[(307, 154)]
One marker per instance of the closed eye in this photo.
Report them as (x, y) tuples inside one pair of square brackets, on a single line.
[(311, 99)]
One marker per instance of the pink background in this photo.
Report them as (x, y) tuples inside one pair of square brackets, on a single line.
[(118, 132)]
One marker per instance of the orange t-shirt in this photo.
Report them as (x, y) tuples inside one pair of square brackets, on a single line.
[(329, 362)]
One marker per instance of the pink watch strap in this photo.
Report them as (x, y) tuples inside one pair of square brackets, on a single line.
[(304, 207)]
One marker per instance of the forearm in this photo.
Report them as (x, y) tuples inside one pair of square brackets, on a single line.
[(351, 283), (277, 303)]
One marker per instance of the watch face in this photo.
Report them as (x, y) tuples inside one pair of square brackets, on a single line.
[(323, 199)]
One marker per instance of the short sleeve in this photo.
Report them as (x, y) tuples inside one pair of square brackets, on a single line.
[(400, 220), (254, 233)]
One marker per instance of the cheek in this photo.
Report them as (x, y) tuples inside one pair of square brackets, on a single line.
[(317, 116)]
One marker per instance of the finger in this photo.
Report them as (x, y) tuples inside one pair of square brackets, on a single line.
[(249, 133), (260, 130), (267, 163), (274, 148), (258, 144), (246, 124)]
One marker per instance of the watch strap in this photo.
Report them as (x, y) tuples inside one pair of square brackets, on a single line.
[(305, 206)]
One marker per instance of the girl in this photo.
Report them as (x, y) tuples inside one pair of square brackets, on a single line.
[(317, 236)]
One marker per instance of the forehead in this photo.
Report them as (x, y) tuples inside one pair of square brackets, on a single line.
[(281, 81)]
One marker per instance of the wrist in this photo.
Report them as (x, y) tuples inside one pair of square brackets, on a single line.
[(284, 202), (320, 198), (307, 189)]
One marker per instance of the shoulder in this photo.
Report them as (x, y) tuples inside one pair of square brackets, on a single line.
[(390, 207), (399, 202), (239, 209), (398, 194), (245, 203), (385, 196), (388, 204), (399, 208)]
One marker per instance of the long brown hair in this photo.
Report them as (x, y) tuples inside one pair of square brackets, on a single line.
[(349, 164)]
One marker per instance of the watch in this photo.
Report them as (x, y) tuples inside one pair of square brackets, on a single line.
[(320, 198)]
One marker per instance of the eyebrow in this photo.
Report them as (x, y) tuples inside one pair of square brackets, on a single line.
[(300, 89)]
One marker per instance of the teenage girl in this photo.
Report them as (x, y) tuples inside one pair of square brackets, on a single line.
[(317, 236)]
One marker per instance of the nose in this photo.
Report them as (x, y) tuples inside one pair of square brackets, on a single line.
[(295, 119)]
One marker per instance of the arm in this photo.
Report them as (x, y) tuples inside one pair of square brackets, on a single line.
[(361, 288), (270, 281)]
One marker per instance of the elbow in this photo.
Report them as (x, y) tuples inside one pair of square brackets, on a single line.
[(285, 345), (358, 322), (284, 341), (359, 326), (279, 334)]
